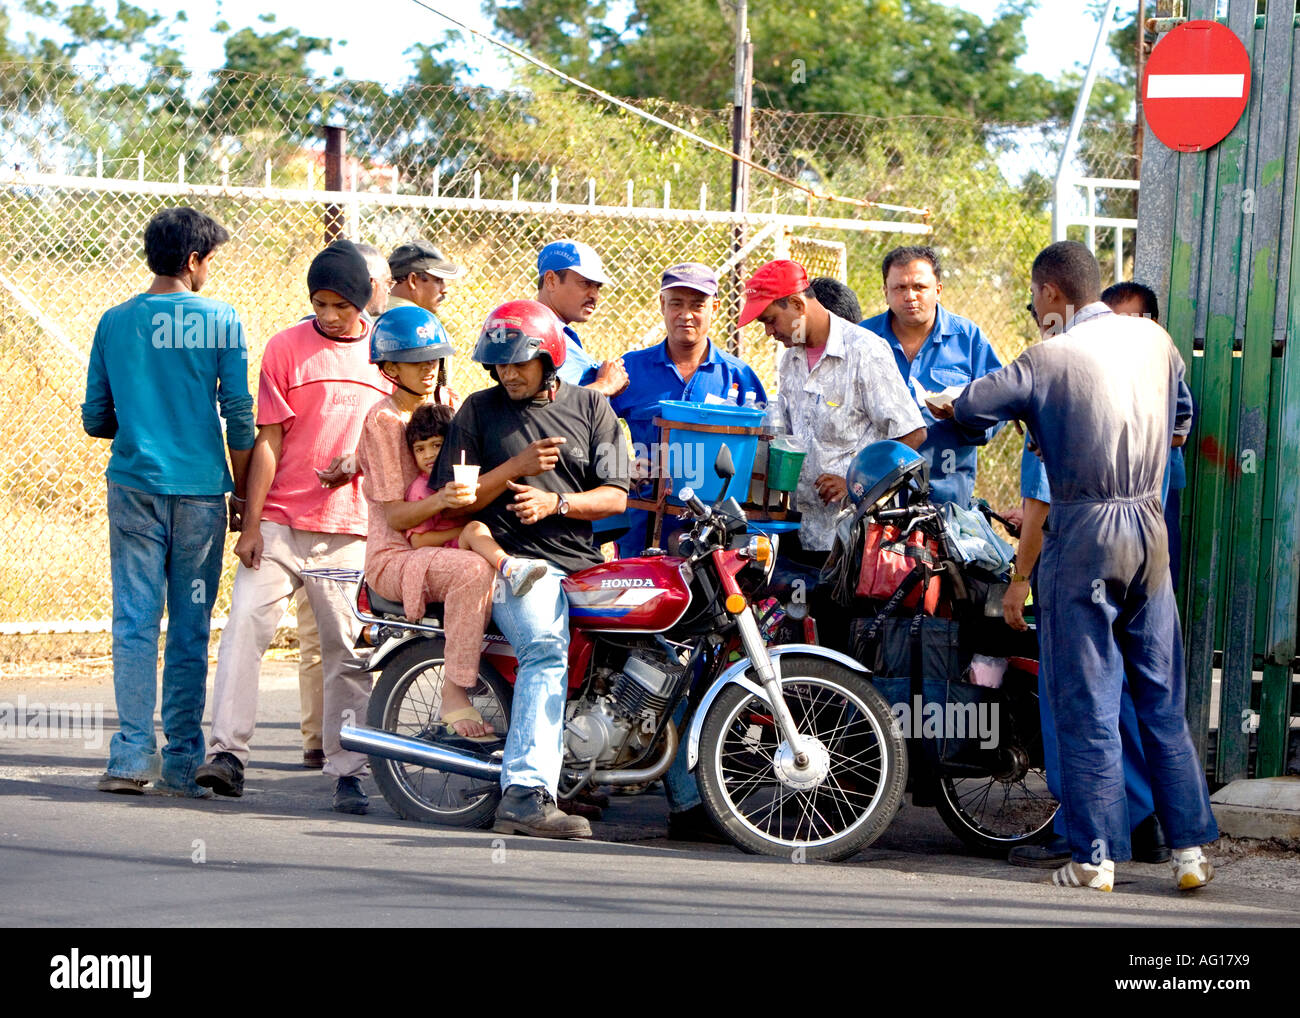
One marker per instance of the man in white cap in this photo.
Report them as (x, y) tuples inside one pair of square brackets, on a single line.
[(569, 278)]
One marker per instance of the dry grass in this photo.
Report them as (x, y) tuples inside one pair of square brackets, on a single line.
[(53, 548)]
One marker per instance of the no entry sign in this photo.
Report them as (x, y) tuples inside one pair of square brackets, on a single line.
[(1196, 85)]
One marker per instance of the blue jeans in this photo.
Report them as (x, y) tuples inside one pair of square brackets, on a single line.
[(537, 626), (162, 549), (680, 786)]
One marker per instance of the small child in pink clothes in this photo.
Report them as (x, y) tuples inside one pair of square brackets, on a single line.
[(424, 435)]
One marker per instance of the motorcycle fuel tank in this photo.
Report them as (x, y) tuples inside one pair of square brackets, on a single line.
[(646, 595)]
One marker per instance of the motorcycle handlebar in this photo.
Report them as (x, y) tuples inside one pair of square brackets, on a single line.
[(694, 503), (895, 514)]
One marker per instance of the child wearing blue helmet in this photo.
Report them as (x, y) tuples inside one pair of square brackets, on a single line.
[(409, 345)]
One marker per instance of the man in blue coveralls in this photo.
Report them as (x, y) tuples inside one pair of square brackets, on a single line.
[(569, 277), (1100, 397), (1148, 837), (1130, 298), (934, 349), (686, 366)]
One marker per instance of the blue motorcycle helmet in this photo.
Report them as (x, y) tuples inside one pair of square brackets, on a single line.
[(409, 335), (882, 468)]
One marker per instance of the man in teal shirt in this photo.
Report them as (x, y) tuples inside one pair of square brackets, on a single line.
[(161, 365)]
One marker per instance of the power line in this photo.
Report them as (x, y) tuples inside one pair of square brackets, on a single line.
[(812, 192)]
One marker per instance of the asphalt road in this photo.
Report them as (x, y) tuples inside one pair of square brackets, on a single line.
[(280, 857)]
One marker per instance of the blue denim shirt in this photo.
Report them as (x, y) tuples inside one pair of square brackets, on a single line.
[(955, 353), (579, 368), (653, 376)]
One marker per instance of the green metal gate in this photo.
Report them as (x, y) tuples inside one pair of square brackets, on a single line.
[(1217, 239)]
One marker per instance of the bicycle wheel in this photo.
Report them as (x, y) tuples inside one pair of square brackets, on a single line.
[(407, 699)]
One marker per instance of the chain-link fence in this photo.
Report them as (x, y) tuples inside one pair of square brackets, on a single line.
[(490, 177)]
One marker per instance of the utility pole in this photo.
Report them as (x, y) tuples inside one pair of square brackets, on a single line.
[(1138, 125), (743, 101)]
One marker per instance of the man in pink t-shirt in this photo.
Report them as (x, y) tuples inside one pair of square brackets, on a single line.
[(315, 388)]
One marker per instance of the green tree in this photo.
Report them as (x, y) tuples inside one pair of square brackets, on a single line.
[(880, 57), (264, 90)]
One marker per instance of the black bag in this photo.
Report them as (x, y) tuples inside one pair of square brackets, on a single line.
[(919, 666)]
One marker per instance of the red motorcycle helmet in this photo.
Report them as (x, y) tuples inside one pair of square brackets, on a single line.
[(518, 331)]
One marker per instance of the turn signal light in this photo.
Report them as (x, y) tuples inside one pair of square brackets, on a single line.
[(759, 548)]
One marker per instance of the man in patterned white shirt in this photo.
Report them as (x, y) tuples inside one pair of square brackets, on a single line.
[(839, 390)]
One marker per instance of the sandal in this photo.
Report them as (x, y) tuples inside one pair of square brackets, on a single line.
[(445, 732)]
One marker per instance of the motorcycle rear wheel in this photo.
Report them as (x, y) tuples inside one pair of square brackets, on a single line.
[(407, 699), (847, 810), (994, 813)]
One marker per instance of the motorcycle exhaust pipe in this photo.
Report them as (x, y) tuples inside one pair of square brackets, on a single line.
[(403, 748)]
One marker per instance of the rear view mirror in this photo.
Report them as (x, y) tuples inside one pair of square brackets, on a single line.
[(722, 466)]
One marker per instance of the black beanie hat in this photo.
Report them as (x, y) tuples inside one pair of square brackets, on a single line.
[(341, 268)]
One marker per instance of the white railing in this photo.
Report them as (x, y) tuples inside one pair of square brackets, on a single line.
[(1064, 218)]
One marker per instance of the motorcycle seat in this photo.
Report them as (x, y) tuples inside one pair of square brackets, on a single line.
[(382, 606)]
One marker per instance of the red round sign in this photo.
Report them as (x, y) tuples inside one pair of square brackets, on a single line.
[(1196, 85)]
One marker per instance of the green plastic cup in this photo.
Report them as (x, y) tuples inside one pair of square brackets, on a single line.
[(785, 458)]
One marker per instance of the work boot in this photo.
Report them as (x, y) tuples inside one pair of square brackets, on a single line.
[(224, 774), (1148, 841), (696, 825), (531, 810), (1048, 854), (349, 798), (121, 786)]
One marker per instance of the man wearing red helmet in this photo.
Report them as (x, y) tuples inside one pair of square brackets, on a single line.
[(839, 390), (552, 459)]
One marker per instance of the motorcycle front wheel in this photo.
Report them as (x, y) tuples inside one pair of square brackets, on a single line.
[(407, 700), (829, 811)]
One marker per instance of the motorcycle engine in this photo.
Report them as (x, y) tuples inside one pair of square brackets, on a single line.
[(614, 724)]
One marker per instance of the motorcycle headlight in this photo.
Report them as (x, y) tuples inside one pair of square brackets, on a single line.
[(761, 550)]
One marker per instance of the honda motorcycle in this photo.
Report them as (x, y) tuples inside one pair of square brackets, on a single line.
[(794, 750)]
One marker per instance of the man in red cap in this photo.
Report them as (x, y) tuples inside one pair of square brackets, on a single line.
[(839, 390)]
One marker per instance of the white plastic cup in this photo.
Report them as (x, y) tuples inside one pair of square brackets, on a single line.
[(465, 473)]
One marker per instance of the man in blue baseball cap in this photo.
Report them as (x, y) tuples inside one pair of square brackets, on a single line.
[(569, 278)]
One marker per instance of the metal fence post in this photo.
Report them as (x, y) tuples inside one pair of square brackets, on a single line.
[(335, 139)]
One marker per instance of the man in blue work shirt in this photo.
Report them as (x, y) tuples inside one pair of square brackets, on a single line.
[(569, 278), (934, 349), (686, 366)]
